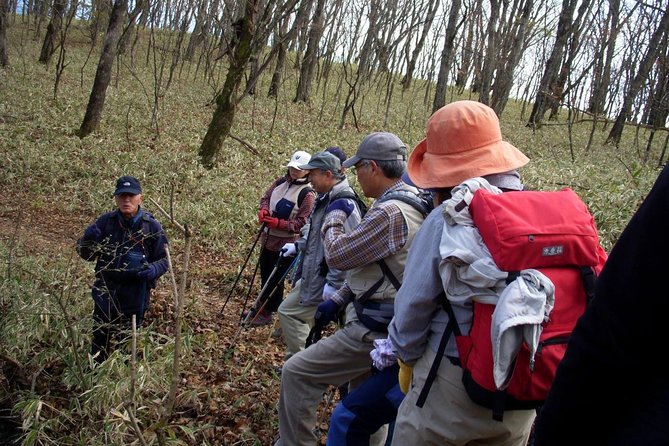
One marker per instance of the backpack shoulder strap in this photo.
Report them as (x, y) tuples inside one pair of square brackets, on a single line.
[(353, 195), (303, 193), (452, 328), (419, 203)]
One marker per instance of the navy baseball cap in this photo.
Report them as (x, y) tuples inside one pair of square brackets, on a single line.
[(128, 185)]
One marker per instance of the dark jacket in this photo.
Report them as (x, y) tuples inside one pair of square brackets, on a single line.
[(124, 248), (612, 387)]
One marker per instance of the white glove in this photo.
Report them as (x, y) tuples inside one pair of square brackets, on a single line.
[(383, 355), (289, 250), (328, 291)]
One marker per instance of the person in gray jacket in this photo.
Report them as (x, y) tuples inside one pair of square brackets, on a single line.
[(317, 282), (463, 141)]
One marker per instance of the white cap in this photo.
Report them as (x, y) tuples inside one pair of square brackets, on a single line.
[(299, 158)]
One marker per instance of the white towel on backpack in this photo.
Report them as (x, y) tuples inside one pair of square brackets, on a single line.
[(522, 308)]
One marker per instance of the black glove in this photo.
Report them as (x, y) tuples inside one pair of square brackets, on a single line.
[(149, 273), (326, 312), (92, 233)]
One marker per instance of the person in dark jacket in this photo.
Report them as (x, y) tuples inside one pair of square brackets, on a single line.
[(128, 245), (611, 387)]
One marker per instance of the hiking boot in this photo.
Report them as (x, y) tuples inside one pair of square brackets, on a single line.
[(260, 319), (246, 313)]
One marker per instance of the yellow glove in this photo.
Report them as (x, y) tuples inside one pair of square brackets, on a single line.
[(404, 376)]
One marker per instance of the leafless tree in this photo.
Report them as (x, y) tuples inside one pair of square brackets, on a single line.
[(601, 76), (546, 86), (280, 64), (254, 28), (430, 9), (305, 80), (639, 79), (567, 68), (468, 44), (52, 31), (513, 43), (487, 71), (356, 80), (4, 57), (201, 29), (446, 56), (96, 100), (302, 24)]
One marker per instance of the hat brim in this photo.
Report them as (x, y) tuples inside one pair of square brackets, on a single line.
[(294, 165), (127, 190), (352, 161), (429, 170)]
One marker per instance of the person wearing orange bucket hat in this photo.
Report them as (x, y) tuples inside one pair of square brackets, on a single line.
[(462, 151)]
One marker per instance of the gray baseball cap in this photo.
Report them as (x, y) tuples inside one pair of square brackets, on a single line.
[(379, 146), (323, 161)]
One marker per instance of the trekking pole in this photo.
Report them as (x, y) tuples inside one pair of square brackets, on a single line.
[(315, 332), (241, 270), (231, 348), (261, 296)]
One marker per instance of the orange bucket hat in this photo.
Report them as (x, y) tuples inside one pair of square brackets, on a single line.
[(463, 141)]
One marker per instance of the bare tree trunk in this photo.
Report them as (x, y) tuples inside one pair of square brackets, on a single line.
[(639, 79), (364, 62), (226, 101), (302, 29), (52, 31), (200, 31), (129, 32), (99, 14), (96, 100), (446, 56), (573, 47), (305, 81), (545, 92), (432, 7), (467, 52), (602, 72), (490, 54), (4, 57), (513, 50), (281, 52)]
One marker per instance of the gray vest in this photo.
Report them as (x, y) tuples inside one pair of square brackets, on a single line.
[(314, 271), (361, 279)]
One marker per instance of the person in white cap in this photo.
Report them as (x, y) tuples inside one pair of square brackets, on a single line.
[(463, 141), (317, 280), (284, 209)]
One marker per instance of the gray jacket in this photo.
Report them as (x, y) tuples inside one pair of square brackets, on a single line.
[(314, 270)]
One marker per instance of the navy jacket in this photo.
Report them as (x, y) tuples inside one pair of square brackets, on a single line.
[(122, 250), (612, 387)]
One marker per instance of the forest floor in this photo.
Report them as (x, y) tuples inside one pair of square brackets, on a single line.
[(234, 379)]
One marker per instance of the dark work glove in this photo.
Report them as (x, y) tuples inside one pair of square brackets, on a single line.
[(149, 273), (342, 204), (326, 312), (276, 223), (262, 213), (92, 233)]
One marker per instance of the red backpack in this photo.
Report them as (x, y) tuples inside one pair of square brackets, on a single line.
[(554, 233)]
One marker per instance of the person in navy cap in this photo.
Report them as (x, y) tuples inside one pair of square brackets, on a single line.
[(128, 246)]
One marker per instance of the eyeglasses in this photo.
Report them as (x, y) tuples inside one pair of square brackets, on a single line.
[(359, 166)]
